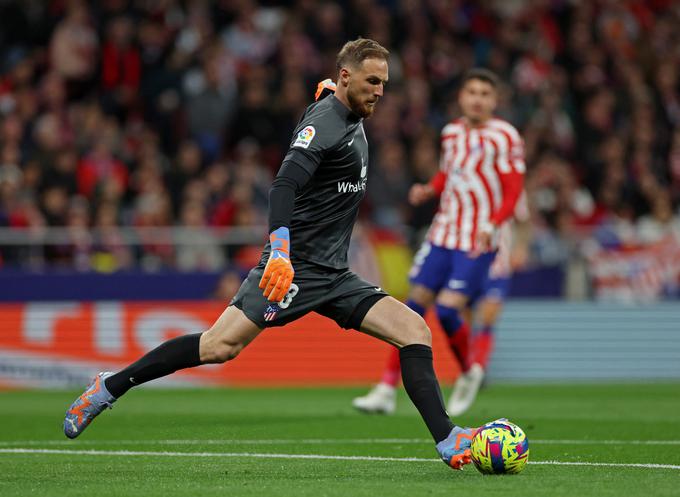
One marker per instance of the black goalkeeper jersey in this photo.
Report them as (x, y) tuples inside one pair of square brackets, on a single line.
[(330, 144)]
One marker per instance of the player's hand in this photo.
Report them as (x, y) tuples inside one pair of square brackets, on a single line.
[(519, 257), (278, 273), (484, 240), (420, 193), (324, 88)]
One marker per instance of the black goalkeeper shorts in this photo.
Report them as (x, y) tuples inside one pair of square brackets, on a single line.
[(338, 294)]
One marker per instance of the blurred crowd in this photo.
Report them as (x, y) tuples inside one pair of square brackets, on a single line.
[(148, 113)]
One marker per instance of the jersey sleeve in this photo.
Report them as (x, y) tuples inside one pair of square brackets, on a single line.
[(438, 182), (289, 181), (315, 135), (510, 166)]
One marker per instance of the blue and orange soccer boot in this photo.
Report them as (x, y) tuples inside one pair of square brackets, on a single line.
[(455, 449), (93, 401)]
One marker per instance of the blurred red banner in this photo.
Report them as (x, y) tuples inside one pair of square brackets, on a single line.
[(63, 344)]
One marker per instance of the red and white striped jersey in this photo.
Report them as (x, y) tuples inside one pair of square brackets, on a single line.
[(484, 170)]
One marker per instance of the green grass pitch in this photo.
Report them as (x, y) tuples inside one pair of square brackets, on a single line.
[(622, 440)]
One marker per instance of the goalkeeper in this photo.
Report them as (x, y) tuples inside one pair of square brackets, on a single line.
[(314, 202)]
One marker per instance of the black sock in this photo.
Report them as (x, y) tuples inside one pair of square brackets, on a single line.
[(179, 353), (422, 387)]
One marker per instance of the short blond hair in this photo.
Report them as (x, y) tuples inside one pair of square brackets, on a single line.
[(353, 53)]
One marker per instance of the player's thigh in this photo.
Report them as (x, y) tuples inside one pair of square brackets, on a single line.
[(393, 322), (453, 299), (230, 334), (491, 303), (308, 288)]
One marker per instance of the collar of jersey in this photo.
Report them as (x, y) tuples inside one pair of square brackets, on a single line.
[(344, 112)]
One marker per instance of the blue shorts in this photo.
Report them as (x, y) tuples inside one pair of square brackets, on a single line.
[(493, 288), (438, 268)]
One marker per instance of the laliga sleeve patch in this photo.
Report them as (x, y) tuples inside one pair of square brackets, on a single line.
[(305, 137)]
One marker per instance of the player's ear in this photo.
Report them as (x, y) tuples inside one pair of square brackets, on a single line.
[(343, 76)]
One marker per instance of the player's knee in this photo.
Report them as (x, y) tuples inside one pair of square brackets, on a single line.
[(418, 332), (224, 351), (219, 350), (490, 312)]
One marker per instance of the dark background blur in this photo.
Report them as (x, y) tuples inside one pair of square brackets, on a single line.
[(118, 117)]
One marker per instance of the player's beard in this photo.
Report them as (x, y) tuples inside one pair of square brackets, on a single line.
[(361, 109)]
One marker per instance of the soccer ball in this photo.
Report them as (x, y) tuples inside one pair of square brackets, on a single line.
[(500, 447)]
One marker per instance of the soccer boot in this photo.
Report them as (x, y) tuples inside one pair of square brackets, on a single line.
[(382, 399), (465, 390), (455, 449), (93, 401)]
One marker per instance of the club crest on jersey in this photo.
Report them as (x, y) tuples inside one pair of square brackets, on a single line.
[(305, 137), (270, 312)]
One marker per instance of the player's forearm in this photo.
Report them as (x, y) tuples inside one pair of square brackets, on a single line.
[(278, 274), (281, 203), (511, 185)]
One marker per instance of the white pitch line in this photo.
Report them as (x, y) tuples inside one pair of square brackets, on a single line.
[(608, 464), (240, 441), (211, 454), (256, 455), (317, 441), (605, 442)]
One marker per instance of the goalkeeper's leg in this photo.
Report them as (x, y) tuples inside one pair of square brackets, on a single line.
[(222, 342), (382, 398), (393, 322)]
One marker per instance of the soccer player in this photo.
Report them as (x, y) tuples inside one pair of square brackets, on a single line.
[(481, 313), (313, 204), (479, 182)]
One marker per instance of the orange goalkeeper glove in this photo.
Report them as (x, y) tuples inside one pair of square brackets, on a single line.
[(278, 273), (325, 87)]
